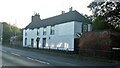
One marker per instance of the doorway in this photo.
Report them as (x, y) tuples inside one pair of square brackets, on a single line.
[(32, 42), (37, 40)]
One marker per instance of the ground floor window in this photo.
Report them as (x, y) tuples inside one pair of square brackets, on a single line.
[(44, 42), (84, 28), (25, 41)]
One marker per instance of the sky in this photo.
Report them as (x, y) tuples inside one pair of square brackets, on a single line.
[(19, 12)]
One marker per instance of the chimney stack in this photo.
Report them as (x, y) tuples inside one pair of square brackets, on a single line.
[(36, 17)]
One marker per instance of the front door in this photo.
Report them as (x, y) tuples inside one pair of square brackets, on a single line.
[(32, 42), (37, 40)]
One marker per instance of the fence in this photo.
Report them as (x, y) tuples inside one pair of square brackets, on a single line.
[(114, 54)]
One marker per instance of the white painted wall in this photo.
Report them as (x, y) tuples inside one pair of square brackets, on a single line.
[(64, 33), (64, 36), (77, 29), (65, 29), (61, 40), (89, 27), (24, 38)]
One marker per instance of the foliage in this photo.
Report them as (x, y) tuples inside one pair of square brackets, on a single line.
[(89, 17), (6, 32), (10, 31), (100, 24), (107, 9)]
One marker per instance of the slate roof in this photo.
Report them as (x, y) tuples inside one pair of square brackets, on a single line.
[(59, 19)]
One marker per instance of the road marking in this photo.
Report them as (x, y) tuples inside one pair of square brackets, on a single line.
[(29, 58), (15, 54), (41, 61), (37, 60)]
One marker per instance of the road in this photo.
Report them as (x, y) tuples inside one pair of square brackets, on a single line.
[(18, 57)]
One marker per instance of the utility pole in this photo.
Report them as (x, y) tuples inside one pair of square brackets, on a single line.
[(1, 32), (15, 26)]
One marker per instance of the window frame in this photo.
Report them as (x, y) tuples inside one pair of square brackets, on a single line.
[(44, 30), (25, 33), (84, 28), (44, 41), (25, 41), (38, 32), (52, 30)]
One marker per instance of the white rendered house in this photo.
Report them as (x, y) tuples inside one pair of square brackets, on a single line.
[(58, 32)]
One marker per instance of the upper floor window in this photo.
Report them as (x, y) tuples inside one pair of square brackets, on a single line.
[(37, 32), (25, 33), (84, 28), (52, 30), (44, 31)]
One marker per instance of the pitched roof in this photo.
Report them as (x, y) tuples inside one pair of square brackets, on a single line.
[(63, 18)]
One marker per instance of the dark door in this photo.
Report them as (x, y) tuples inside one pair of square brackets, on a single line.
[(25, 41), (32, 42), (37, 40), (76, 47)]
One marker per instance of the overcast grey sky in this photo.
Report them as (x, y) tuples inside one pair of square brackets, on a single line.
[(20, 11)]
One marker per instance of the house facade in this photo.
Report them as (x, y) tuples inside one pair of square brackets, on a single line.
[(58, 32), (1, 32)]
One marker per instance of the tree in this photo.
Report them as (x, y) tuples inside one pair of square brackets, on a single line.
[(10, 31), (6, 32), (89, 17), (16, 32), (110, 10), (100, 24)]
